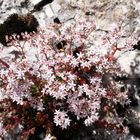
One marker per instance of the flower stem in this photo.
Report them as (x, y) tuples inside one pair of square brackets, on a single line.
[(4, 63)]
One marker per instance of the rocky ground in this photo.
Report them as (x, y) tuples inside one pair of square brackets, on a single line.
[(104, 12)]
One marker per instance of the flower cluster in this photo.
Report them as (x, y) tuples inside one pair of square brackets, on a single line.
[(64, 81), (61, 119)]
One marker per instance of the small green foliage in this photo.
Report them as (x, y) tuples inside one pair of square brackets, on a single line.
[(34, 90), (59, 78)]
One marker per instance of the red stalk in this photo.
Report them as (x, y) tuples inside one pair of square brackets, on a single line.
[(4, 63)]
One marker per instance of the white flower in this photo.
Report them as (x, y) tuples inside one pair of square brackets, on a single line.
[(62, 87), (1, 128), (71, 76), (3, 132), (74, 62), (20, 74), (67, 58), (2, 94), (85, 87), (85, 64), (95, 80), (3, 72), (71, 85), (61, 119), (102, 91), (20, 126), (48, 137), (40, 106), (18, 98), (80, 55), (13, 67), (11, 80), (90, 120), (60, 93)]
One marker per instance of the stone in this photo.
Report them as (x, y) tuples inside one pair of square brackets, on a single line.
[(118, 13), (66, 16), (48, 11), (55, 7), (39, 6)]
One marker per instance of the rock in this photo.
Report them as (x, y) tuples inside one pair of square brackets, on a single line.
[(49, 13), (39, 6), (66, 16), (55, 7), (118, 13)]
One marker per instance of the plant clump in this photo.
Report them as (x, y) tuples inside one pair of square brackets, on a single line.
[(67, 87)]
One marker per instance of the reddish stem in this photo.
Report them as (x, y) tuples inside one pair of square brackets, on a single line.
[(114, 48), (4, 63)]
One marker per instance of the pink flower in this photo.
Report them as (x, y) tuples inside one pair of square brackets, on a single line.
[(48, 137), (90, 120), (61, 119)]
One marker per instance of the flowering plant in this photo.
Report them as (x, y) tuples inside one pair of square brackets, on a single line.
[(63, 84)]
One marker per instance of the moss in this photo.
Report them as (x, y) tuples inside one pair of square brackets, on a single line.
[(16, 24)]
